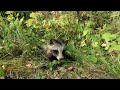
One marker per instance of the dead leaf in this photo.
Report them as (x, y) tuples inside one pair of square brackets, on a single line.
[(71, 68)]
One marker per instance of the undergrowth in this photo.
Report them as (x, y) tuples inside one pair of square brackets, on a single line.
[(93, 43)]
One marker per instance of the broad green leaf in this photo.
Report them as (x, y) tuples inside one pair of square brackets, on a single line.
[(113, 43), (118, 39), (114, 47), (92, 58), (108, 36)]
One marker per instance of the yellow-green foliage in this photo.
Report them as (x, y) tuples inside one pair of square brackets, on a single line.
[(93, 39)]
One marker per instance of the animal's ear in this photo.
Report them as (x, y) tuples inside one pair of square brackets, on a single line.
[(53, 41), (63, 41)]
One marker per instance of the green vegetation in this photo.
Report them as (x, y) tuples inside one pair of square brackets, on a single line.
[(93, 42)]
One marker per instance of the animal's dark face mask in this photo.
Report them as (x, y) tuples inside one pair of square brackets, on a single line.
[(56, 49)]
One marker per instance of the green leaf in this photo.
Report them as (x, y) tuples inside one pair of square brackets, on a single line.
[(118, 39), (29, 22), (115, 14), (86, 31), (104, 45), (92, 58), (1, 72), (90, 23), (1, 18), (33, 15), (114, 47), (83, 43), (107, 45), (10, 17), (21, 20), (94, 44), (108, 36), (8, 12)]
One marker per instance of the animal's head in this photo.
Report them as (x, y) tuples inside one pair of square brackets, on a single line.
[(56, 49)]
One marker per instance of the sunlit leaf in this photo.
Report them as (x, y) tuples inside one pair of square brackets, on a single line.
[(118, 39), (89, 23), (21, 21), (94, 44), (114, 47), (8, 12), (83, 43), (1, 72), (115, 14), (29, 22), (33, 15), (1, 18), (86, 31), (108, 36), (104, 45), (10, 17)]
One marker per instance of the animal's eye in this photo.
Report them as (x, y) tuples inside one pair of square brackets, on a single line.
[(55, 51)]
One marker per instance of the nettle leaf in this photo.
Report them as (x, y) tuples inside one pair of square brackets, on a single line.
[(114, 47), (92, 58), (108, 36)]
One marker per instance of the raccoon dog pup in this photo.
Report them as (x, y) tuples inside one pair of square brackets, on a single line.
[(55, 49)]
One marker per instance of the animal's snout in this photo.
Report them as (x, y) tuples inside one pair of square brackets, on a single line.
[(60, 58)]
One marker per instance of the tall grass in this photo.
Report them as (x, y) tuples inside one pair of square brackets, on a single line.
[(93, 37)]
